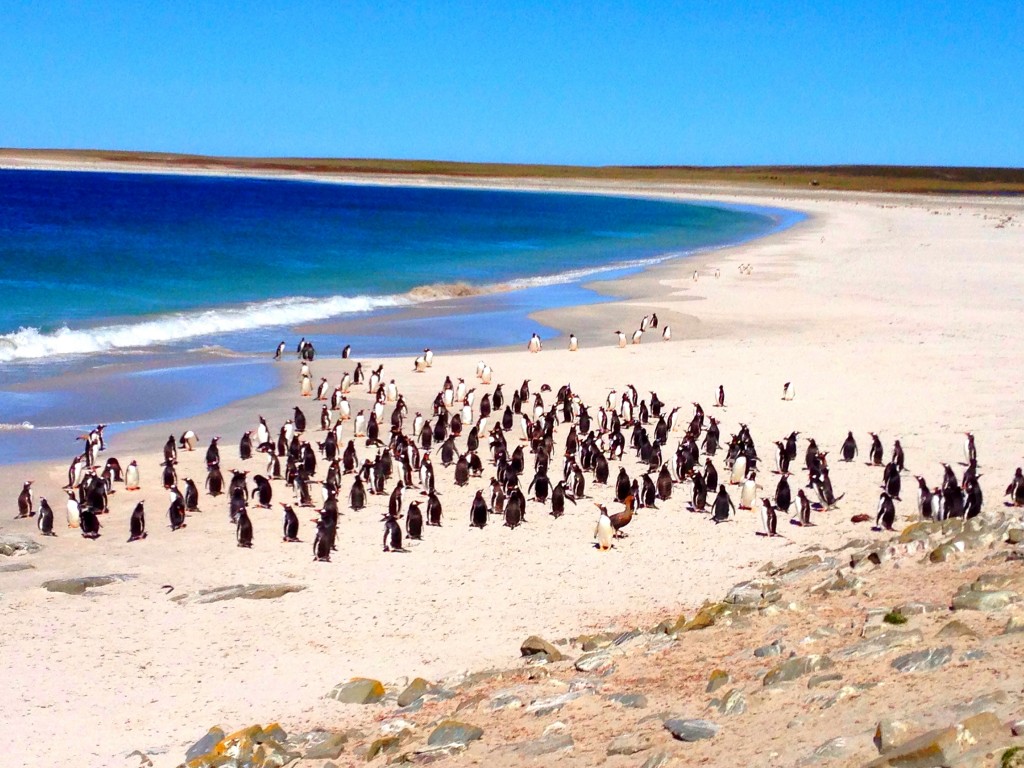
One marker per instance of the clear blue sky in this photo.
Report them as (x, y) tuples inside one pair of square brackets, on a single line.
[(687, 82)]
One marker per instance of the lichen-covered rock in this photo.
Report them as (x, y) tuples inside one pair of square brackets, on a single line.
[(546, 745), (706, 616), (206, 744), (691, 730), (629, 700), (923, 661), (984, 601), (78, 585), (943, 746), (596, 662), (716, 680), (629, 744), (956, 628), (733, 703), (534, 645), (796, 667), (454, 732), (12, 544), (413, 692), (755, 593), (324, 745), (889, 733), (772, 649), (882, 643), (358, 690), (239, 591), (549, 704), (829, 677)]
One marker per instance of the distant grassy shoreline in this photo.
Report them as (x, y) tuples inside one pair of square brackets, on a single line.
[(860, 178)]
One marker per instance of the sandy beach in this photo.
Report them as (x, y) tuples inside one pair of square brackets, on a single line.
[(890, 314)]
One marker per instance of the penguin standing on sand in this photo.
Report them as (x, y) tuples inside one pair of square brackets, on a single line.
[(783, 495), (788, 390), (769, 519), (291, 524), (280, 351), (26, 504), (666, 333), (720, 509), (534, 345), (392, 535), (89, 522), (131, 476), (176, 512), (849, 449), (604, 533), (876, 451), (44, 521), (573, 342), (243, 529), (74, 511), (886, 513), (137, 524), (803, 506), (414, 522), (322, 543), (478, 511)]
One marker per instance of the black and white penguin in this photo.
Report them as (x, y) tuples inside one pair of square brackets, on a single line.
[(515, 509), (891, 481), (26, 503), (322, 543), (788, 390), (44, 520), (535, 343), (434, 510), (264, 493), (559, 496), (924, 498), (137, 524), (722, 505), (245, 446), (280, 351), (720, 400), (478, 511), (392, 534), (176, 512), (803, 506), (849, 449), (769, 519), (970, 451), (414, 522), (783, 495), (898, 457), (664, 484), (1015, 490), (131, 476), (213, 454), (243, 529), (191, 495), (89, 522), (346, 352), (291, 524), (886, 515), (876, 450)]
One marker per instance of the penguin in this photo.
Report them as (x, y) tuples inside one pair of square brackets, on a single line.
[(535, 344), (478, 511), (604, 533), (191, 496), (176, 512), (89, 522), (44, 520), (1015, 490), (748, 491), (73, 511), (803, 509), (26, 504), (243, 529), (891, 480), (622, 339), (788, 391), (924, 498), (515, 509), (414, 522), (558, 498), (170, 450), (264, 493), (637, 335), (215, 481), (322, 543), (722, 505), (213, 453), (898, 457), (739, 470), (137, 524), (769, 519), (392, 534), (280, 351), (245, 446), (876, 450), (710, 474), (783, 495), (886, 512), (970, 451), (346, 352), (666, 333), (131, 476), (188, 440), (664, 484), (434, 511), (720, 400), (573, 342), (849, 449)]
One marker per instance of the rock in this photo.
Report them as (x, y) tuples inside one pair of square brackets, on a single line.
[(13, 544), (657, 760), (1012, 758), (797, 565), (828, 677), (396, 726), (1015, 535), (773, 649), (629, 744), (359, 690), (985, 702), (596, 662), (836, 583), (943, 746), (973, 655), (511, 699), (595, 642), (453, 732), (429, 755), (626, 637), (733, 703), (413, 692), (671, 626), (382, 746), (324, 745), (546, 745), (944, 552), (1015, 624), (629, 700), (830, 750), (691, 730), (757, 593), (923, 661), (77, 586), (889, 733), (12, 567), (533, 645), (882, 643), (470, 703), (716, 680), (206, 744), (706, 616), (984, 601), (918, 531), (796, 667), (549, 704), (917, 609), (956, 629), (238, 591), (847, 692)]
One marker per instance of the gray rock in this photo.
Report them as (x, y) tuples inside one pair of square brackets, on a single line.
[(716, 680), (213, 737), (413, 692), (78, 586), (629, 744), (12, 567), (595, 662), (956, 628), (797, 565), (923, 661), (549, 704), (511, 698), (454, 732), (882, 643), (546, 745), (629, 700), (12, 544), (890, 732), (796, 667), (238, 591), (1015, 535), (1015, 624), (657, 760), (324, 745), (626, 637), (358, 690), (847, 692), (773, 649), (831, 749), (533, 646), (828, 677), (984, 601), (756, 593), (733, 703), (839, 582), (691, 730), (973, 655), (917, 609)]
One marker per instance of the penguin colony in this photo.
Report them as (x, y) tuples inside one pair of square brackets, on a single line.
[(551, 443)]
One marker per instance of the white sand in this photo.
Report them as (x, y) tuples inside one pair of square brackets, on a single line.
[(896, 315)]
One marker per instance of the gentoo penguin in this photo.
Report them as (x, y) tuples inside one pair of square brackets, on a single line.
[(322, 390), (89, 522), (783, 495), (637, 334), (137, 524), (243, 529), (414, 522), (876, 451), (245, 446), (666, 333), (26, 504), (644, 322), (898, 457), (654, 320), (346, 352), (176, 512), (604, 533), (419, 365), (1015, 490), (191, 495), (748, 491), (739, 470), (478, 511), (924, 498), (73, 510), (44, 521), (891, 480), (392, 534), (803, 506), (664, 484), (788, 391), (188, 440), (720, 400), (213, 453), (170, 450), (769, 519), (849, 449), (886, 512), (720, 509), (534, 345), (573, 342), (280, 351), (970, 452), (622, 339), (434, 511), (322, 543), (558, 498)]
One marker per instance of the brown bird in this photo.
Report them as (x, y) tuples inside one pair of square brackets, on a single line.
[(621, 519)]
